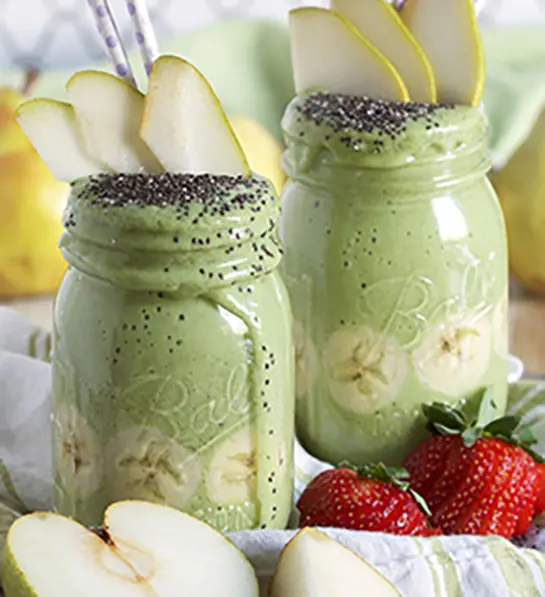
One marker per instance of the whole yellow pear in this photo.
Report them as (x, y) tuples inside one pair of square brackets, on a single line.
[(520, 186), (263, 151), (31, 204)]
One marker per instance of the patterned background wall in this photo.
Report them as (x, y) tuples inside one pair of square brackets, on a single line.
[(48, 33)]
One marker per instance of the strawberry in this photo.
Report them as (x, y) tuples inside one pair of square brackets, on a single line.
[(478, 477), (372, 498)]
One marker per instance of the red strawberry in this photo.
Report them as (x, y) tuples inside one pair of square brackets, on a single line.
[(372, 498), (481, 477), (539, 507), (433, 466)]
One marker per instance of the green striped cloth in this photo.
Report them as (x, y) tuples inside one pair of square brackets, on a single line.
[(422, 567)]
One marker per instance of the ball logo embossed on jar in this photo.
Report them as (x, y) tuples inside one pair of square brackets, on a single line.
[(234, 400)]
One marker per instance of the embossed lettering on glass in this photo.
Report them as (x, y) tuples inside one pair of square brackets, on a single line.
[(173, 364), (396, 267)]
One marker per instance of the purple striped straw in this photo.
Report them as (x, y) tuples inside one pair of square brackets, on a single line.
[(143, 31), (109, 32)]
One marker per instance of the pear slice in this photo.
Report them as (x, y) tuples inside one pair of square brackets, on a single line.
[(381, 25), (109, 112), (53, 130), (448, 32), (147, 550), (314, 565), (184, 124), (330, 54)]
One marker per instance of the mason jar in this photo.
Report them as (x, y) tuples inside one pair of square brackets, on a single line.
[(173, 365), (396, 266)]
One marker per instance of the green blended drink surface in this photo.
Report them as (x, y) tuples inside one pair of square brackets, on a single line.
[(396, 265), (173, 358)]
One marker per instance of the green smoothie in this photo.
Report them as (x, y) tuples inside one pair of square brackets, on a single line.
[(173, 358), (396, 265)]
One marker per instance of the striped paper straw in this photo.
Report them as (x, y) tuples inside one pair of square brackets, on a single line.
[(109, 32), (144, 34)]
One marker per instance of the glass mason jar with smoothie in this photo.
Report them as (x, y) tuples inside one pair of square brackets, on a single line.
[(396, 259), (173, 362)]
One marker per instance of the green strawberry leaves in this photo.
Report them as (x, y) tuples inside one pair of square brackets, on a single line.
[(397, 476), (443, 419), (488, 409)]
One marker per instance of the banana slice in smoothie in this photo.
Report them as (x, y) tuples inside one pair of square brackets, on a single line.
[(232, 475), (77, 453), (366, 369), (307, 363), (453, 356), (145, 464)]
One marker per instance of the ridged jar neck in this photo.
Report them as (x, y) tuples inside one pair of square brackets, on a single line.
[(187, 233), (348, 141)]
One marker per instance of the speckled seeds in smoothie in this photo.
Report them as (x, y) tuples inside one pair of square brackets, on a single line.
[(396, 267), (173, 359)]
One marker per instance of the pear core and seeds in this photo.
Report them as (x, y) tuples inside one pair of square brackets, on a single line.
[(313, 564), (143, 549), (329, 53)]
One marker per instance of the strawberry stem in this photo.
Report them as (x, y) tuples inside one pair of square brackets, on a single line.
[(443, 419)]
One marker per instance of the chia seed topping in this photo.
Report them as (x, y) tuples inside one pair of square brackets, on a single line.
[(214, 194), (367, 115)]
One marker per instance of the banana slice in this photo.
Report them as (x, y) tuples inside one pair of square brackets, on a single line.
[(366, 369), (500, 323), (146, 464), (454, 355), (76, 452), (306, 361), (232, 476)]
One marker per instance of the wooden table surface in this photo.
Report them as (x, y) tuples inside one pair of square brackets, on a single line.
[(527, 325)]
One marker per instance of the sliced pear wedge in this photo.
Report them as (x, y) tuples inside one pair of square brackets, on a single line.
[(109, 113), (381, 25), (314, 565), (448, 32), (146, 550), (184, 124), (53, 130), (330, 54)]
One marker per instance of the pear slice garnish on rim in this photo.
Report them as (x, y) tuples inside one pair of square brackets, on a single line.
[(330, 54), (52, 128), (184, 124), (381, 25), (448, 32)]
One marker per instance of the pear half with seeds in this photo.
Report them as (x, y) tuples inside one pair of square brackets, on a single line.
[(145, 550), (109, 113), (52, 128), (314, 565), (448, 32), (330, 54), (184, 124), (378, 22)]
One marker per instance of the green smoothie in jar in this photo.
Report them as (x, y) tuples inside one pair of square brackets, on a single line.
[(396, 265), (172, 371)]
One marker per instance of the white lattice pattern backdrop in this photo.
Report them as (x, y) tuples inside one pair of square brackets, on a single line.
[(50, 33)]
